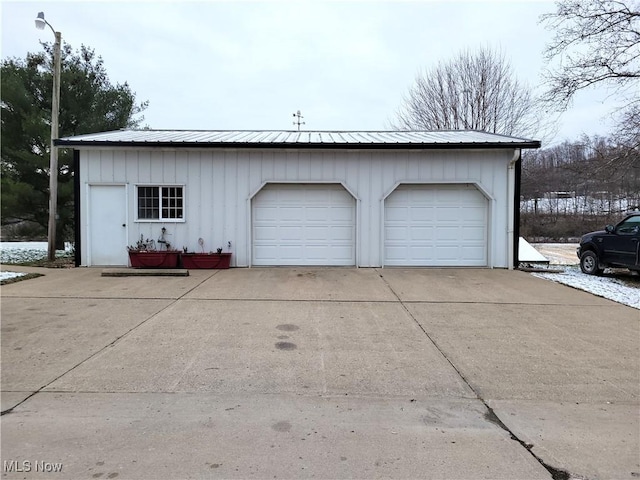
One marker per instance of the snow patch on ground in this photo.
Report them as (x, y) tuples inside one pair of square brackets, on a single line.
[(10, 275), (22, 252), (621, 288), (608, 287)]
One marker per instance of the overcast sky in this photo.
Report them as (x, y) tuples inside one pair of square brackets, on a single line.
[(250, 65)]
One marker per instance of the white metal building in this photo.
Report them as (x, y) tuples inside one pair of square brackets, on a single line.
[(368, 199)]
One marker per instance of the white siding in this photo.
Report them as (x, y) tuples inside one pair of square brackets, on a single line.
[(219, 185)]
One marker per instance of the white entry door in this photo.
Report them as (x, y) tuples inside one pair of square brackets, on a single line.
[(436, 225), (107, 235), (303, 224)]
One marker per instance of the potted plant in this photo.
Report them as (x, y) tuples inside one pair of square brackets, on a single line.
[(144, 253), (217, 260)]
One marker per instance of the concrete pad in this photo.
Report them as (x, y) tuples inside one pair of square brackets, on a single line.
[(88, 283), (44, 338), (544, 353), (263, 436), (240, 387), (482, 286), (272, 347), (300, 283), (600, 440)]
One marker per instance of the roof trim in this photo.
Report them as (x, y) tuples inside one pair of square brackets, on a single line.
[(325, 140), (310, 146)]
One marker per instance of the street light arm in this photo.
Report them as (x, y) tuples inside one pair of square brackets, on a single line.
[(52, 29)]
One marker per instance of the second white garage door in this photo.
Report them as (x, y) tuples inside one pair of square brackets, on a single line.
[(436, 225), (303, 224)]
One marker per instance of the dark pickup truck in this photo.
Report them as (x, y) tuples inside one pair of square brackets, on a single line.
[(615, 246)]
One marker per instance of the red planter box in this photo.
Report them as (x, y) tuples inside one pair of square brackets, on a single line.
[(206, 260), (161, 259)]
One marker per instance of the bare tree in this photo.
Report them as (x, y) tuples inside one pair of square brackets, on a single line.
[(474, 90), (595, 42)]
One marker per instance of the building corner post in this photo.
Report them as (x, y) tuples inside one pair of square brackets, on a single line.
[(513, 197), (77, 246)]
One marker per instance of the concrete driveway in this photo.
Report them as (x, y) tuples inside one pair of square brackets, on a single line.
[(325, 373)]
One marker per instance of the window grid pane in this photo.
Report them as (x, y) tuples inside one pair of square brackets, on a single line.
[(148, 203), (171, 202)]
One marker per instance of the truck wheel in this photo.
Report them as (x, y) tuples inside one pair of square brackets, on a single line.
[(589, 263)]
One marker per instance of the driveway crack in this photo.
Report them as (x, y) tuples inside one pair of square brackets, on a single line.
[(490, 415)]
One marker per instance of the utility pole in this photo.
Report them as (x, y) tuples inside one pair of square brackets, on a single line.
[(53, 161), (298, 121)]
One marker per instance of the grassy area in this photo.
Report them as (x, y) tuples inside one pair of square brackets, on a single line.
[(64, 261)]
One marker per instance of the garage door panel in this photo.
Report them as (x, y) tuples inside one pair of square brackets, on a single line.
[(420, 251), (289, 214), (319, 252), (446, 214), (265, 252), (342, 252), (395, 252), (400, 214), (436, 225), (448, 253), (414, 196), (472, 215), (291, 253), (318, 234), (265, 213), (471, 253), (306, 224), (341, 234), (421, 214), (282, 196), (265, 233), (290, 233), (417, 234), (447, 233), (396, 233), (343, 214), (472, 234), (449, 197), (316, 214)]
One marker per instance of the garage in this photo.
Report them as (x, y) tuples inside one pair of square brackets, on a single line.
[(303, 224), (298, 198), (436, 225)]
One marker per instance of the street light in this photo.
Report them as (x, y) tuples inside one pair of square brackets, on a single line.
[(53, 163)]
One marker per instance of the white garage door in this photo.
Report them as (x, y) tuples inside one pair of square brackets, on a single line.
[(303, 224), (436, 225)]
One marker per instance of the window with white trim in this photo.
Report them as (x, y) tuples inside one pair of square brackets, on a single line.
[(159, 202)]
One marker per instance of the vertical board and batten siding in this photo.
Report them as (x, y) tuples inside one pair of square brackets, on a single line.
[(220, 183)]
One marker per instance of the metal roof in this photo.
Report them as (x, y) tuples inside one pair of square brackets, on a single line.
[(295, 139)]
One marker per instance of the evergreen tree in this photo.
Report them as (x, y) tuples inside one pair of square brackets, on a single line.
[(89, 103)]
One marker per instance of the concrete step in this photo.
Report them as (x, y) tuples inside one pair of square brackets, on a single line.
[(145, 272)]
